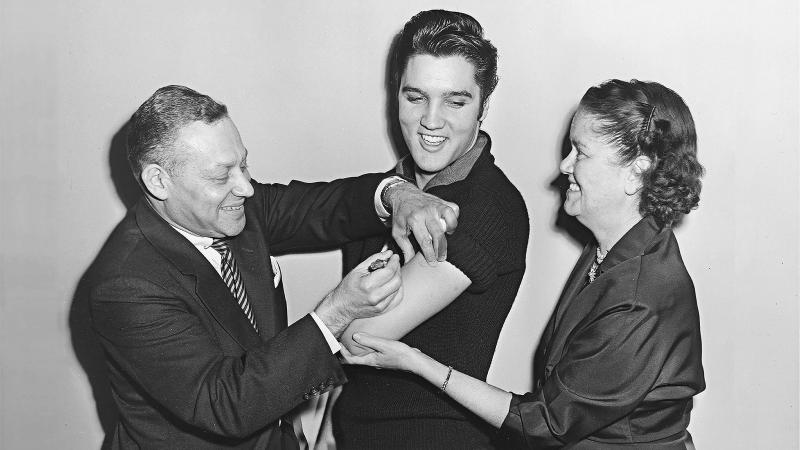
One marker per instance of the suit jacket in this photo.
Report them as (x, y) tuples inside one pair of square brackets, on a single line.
[(620, 358), (187, 369)]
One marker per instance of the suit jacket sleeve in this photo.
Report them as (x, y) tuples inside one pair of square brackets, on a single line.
[(310, 216), (194, 379)]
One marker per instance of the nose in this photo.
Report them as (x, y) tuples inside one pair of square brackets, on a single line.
[(243, 188), (432, 117), (568, 163)]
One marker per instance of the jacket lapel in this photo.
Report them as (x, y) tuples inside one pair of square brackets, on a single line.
[(576, 283), (615, 275), (201, 278), (267, 301), (572, 289)]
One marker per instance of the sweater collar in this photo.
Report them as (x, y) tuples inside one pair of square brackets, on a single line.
[(456, 171)]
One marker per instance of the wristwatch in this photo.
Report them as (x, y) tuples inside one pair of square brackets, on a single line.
[(393, 181)]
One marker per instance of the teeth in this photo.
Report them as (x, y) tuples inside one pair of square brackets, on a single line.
[(574, 187), (433, 140), (232, 208)]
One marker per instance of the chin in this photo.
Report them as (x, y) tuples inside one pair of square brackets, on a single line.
[(427, 166), (571, 210), (232, 229)]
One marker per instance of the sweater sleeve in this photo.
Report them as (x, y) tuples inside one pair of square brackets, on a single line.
[(483, 244)]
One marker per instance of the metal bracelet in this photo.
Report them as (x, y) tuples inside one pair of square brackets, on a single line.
[(447, 379)]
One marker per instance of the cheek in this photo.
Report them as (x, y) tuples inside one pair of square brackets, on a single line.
[(464, 123), (212, 198), (465, 118), (407, 115)]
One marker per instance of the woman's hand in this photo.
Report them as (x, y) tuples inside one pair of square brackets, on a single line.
[(488, 402), (384, 354)]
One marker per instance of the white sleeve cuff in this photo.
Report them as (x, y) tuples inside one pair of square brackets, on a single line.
[(389, 181), (383, 214), (329, 337)]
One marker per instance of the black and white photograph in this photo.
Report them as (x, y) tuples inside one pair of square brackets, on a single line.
[(355, 225)]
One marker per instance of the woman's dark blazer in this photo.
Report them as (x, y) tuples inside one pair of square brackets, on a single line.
[(620, 358)]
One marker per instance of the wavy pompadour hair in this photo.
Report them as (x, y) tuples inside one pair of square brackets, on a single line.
[(443, 33)]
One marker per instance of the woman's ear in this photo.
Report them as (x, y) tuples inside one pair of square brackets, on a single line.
[(633, 183), (156, 180)]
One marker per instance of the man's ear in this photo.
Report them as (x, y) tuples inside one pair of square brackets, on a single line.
[(484, 110), (633, 183), (156, 180)]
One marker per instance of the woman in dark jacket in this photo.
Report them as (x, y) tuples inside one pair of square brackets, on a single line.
[(620, 359)]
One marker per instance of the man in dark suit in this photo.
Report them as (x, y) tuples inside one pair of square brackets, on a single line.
[(187, 300)]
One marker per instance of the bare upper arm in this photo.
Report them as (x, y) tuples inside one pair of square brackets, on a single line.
[(427, 289)]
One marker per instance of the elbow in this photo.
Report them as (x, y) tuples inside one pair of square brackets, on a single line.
[(230, 423), (351, 346), (235, 410)]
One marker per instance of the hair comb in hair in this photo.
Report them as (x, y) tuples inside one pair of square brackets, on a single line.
[(646, 124)]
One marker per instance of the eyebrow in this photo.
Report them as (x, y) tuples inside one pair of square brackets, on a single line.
[(447, 94), (577, 143), (413, 90), (458, 94), (229, 164)]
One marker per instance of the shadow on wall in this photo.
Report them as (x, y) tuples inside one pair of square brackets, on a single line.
[(392, 118), (84, 341), (564, 223), (126, 186)]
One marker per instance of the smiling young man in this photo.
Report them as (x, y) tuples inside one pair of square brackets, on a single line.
[(444, 71), (188, 302), (440, 111)]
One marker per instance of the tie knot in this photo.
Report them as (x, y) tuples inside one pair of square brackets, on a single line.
[(220, 245)]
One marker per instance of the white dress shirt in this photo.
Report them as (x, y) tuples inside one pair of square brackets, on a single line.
[(203, 245)]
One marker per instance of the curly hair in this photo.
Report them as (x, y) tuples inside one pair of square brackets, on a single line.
[(443, 33), (155, 125), (647, 118)]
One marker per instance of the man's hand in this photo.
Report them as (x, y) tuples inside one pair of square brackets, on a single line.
[(362, 293), (426, 216)]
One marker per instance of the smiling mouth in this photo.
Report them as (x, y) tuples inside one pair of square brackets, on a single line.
[(432, 140)]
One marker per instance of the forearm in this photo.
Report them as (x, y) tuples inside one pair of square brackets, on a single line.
[(335, 319), (165, 350), (302, 216), (484, 400)]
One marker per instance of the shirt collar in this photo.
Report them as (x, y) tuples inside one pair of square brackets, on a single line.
[(456, 171), (197, 241)]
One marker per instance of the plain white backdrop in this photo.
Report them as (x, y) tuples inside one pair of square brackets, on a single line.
[(304, 81)]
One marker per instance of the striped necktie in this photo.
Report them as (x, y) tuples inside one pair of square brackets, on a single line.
[(232, 277)]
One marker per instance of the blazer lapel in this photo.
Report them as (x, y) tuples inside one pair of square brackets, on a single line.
[(573, 288), (209, 289), (267, 300), (575, 283), (616, 272)]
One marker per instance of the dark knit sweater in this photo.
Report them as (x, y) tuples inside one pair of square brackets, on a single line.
[(488, 246)]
